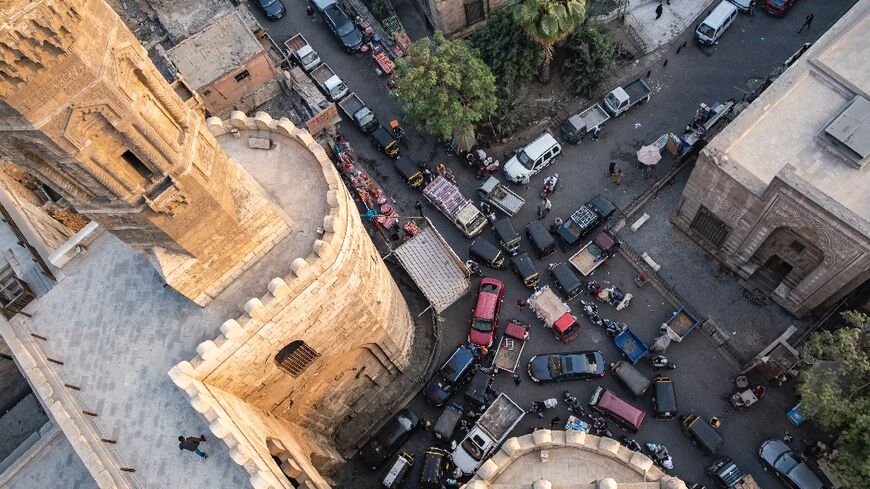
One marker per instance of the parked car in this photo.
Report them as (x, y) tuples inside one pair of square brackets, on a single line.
[(577, 365), (725, 473), (791, 469), (274, 9), (484, 320), (702, 434), (618, 410), (450, 377), (779, 7), (533, 158), (436, 467), (388, 440), (343, 28), (742, 5), (714, 25), (664, 398)]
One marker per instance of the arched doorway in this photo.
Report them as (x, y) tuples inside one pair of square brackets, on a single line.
[(785, 259)]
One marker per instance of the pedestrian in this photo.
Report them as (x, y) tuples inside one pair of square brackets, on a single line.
[(517, 379), (617, 176), (680, 48), (310, 11), (555, 422), (612, 168), (547, 206), (752, 8), (521, 304), (715, 422), (665, 63), (526, 180), (555, 226), (540, 210), (192, 444), (787, 438), (419, 206), (659, 11), (596, 133), (807, 23)]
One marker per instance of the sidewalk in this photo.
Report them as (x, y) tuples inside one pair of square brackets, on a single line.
[(651, 33)]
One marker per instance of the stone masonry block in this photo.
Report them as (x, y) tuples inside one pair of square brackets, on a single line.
[(239, 120), (200, 403), (215, 126), (262, 120), (542, 484), (303, 137), (261, 480), (324, 250), (291, 468), (332, 198), (476, 484), (320, 154), (488, 470), (178, 378), (501, 459), (232, 329), (220, 429), (279, 288), (255, 308), (558, 438), (575, 438), (640, 461), (591, 441), (285, 127), (239, 456), (543, 438), (208, 350), (608, 445), (511, 447)]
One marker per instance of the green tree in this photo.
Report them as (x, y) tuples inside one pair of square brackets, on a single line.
[(512, 55), (590, 58), (835, 393), (548, 22), (443, 87)]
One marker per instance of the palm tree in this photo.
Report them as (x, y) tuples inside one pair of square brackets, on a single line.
[(548, 22)]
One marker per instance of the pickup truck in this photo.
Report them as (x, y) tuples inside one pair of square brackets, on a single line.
[(510, 347), (359, 113), (493, 426), (302, 52), (576, 126), (330, 84), (621, 99), (501, 197), (584, 220), (594, 253), (555, 314), (462, 212)]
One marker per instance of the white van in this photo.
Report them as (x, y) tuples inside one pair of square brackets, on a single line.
[(712, 28), (533, 158)]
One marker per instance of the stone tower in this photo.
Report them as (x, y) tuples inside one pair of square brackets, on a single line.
[(84, 110)]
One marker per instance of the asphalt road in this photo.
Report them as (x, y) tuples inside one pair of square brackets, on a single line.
[(751, 48)]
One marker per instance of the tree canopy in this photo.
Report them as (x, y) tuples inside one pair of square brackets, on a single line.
[(443, 87), (513, 57), (835, 393), (590, 57), (548, 22)]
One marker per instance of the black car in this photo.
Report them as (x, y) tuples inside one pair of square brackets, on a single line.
[(274, 9), (389, 439), (343, 27), (577, 365), (791, 469), (725, 473), (450, 377)]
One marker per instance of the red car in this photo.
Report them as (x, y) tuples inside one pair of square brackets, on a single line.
[(484, 321), (778, 7)]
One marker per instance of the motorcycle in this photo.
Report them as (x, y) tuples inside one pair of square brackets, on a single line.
[(612, 294), (613, 327), (426, 170), (445, 172), (599, 427), (538, 407), (660, 455), (591, 312), (631, 444), (398, 132), (661, 361), (474, 268), (550, 185), (574, 404)]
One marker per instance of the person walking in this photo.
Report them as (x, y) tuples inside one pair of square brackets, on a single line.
[(192, 444), (807, 23), (419, 206), (540, 210), (517, 379), (752, 8), (555, 422), (544, 208), (659, 11), (526, 180), (612, 168), (617, 176), (547, 206), (596, 133), (521, 304)]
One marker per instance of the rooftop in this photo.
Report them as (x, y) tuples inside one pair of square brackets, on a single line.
[(51, 459), (220, 47), (122, 330), (790, 124)]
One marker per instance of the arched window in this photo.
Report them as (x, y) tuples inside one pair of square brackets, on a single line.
[(296, 357)]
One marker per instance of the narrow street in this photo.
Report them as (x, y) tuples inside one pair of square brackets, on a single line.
[(750, 50)]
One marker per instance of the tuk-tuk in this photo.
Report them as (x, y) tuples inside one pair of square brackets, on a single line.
[(664, 398), (702, 434), (488, 253), (446, 424), (410, 172), (384, 141), (475, 392), (399, 470), (630, 377), (567, 281), (542, 241), (523, 266), (436, 466), (507, 236)]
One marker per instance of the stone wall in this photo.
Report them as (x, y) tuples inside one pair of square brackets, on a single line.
[(448, 16), (340, 300)]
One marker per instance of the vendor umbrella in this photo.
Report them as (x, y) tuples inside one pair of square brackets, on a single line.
[(649, 155)]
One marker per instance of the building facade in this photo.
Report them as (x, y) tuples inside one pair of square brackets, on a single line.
[(280, 323), (457, 18), (779, 196)]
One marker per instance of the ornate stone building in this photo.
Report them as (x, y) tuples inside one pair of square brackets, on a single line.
[(280, 324), (457, 18), (780, 196)]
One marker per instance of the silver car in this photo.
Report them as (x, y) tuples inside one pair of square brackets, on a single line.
[(795, 472)]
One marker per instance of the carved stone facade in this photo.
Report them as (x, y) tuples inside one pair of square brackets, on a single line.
[(457, 18), (83, 109)]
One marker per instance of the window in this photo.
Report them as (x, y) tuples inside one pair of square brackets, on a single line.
[(244, 75), (137, 164), (296, 357), (796, 247), (710, 227), (473, 12)]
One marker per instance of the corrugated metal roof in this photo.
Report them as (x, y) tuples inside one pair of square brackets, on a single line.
[(434, 267)]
